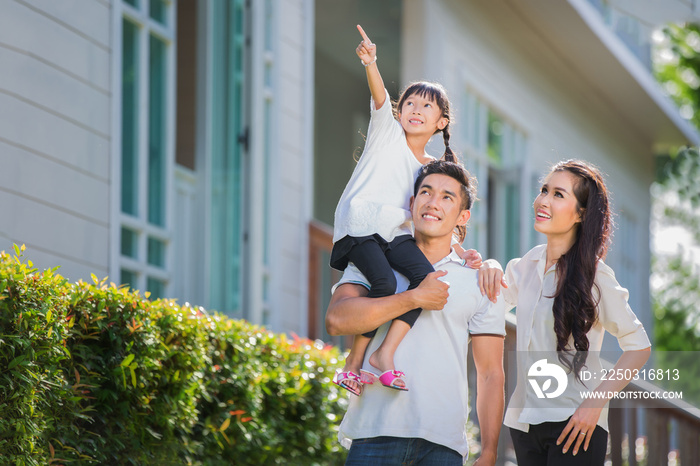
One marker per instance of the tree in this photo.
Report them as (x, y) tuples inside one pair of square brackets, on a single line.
[(675, 278), (676, 196), (676, 61)]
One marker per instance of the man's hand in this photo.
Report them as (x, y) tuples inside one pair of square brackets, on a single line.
[(486, 459), (432, 293)]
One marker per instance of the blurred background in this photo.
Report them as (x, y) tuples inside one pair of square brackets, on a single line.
[(196, 149)]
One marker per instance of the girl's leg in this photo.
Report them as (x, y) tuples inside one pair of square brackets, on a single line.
[(353, 363), (407, 259), (369, 258), (383, 357)]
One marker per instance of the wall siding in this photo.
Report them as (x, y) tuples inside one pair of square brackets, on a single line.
[(290, 185), (55, 133), (539, 91)]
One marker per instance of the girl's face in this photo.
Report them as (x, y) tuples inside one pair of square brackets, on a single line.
[(556, 207), (421, 115)]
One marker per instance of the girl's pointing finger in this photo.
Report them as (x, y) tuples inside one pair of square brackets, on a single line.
[(364, 35)]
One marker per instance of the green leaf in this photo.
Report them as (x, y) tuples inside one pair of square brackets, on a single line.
[(49, 314), (127, 360), (16, 361), (154, 433)]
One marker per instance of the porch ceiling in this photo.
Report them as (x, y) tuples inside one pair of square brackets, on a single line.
[(571, 33), (335, 24)]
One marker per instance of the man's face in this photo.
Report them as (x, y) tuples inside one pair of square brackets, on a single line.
[(437, 207)]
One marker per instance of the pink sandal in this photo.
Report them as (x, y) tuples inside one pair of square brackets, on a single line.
[(388, 379), (349, 375)]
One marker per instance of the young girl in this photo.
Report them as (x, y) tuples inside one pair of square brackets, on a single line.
[(372, 222), (566, 299)]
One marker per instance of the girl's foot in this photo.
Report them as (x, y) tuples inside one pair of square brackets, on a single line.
[(350, 381), (385, 362)]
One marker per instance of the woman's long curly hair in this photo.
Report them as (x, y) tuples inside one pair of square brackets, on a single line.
[(575, 306)]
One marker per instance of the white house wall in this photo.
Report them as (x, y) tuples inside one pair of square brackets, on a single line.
[(55, 132), (487, 49), (291, 157)]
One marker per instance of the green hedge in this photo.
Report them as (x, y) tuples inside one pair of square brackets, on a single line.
[(95, 374)]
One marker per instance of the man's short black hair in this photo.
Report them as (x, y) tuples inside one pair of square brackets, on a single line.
[(453, 170)]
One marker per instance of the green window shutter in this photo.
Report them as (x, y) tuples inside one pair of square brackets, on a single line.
[(226, 159)]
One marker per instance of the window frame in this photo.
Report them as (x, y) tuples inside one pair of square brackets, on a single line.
[(139, 223), (513, 168)]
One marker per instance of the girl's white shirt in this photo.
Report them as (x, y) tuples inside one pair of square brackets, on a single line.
[(377, 197), (531, 288)]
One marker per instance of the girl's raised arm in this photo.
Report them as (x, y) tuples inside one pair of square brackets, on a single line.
[(367, 52)]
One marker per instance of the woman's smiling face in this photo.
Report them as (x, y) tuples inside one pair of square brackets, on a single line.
[(556, 207)]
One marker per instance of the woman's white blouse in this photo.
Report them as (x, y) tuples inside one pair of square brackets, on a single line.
[(531, 288)]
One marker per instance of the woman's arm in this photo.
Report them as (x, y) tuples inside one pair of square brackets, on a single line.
[(616, 317), (586, 416), (367, 52)]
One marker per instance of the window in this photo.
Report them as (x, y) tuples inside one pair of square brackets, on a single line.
[(495, 154), (187, 61), (633, 32), (634, 35), (268, 113), (146, 103), (627, 254), (229, 140)]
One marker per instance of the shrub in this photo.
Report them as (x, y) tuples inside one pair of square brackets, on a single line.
[(280, 409), (96, 374), (140, 363), (33, 392)]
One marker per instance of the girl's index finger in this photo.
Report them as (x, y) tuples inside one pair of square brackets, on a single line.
[(364, 35)]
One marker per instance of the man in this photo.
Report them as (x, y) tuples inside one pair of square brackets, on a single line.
[(426, 424)]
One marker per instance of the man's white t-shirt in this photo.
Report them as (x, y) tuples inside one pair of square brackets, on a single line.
[(433, 356)]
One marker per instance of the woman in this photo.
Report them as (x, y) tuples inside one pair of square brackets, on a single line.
[(566, 299)]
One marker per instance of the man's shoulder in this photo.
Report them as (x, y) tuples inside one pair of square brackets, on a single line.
[(459, 271), (463, 278)]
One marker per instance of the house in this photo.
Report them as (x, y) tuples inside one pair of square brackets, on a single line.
[(196, 149)]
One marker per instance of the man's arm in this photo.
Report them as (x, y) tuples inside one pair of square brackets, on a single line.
[(351, 312), (488, 359)]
